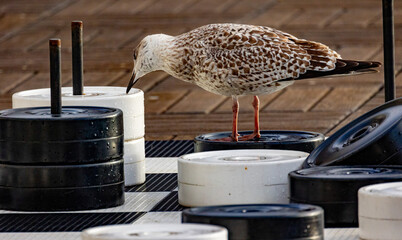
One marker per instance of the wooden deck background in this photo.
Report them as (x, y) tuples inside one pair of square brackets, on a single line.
[(175, 109)]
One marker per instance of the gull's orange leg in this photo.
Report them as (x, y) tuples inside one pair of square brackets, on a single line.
[(235, 135), (235, 109), (256, 105), (256, 133)]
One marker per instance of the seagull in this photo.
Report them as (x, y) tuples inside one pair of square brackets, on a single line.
[(237, 60)]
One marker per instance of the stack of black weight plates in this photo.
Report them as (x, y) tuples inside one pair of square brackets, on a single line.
[(69, 161), (334, 188)]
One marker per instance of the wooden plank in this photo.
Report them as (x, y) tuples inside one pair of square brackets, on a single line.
[(9, 81), (172, 83), (184, 137), (151, 137), (143, 21), (245, 103), (25, 40), (5, 103), (241, 8), (161, 7), (398, 56), (112, 38), (27, 6), (368, 79), (398, 52), (65, 36), (275, 16), (313, 18), (126, 7), (96, 78), (398, 80), (359, 52), (40, 80), (337, 36), (298, 99), (109, 60), (197, 102), (159, 102), (204, 6), (101, 78), (22, 60), (346, 98), (356, 17), (397, 17), (376, 101), (10, 21), (83, 8), (338, 3), (399, 92)]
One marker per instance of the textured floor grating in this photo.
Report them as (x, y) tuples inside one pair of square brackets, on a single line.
[(54, 222), (168, 148), (161, 182), (169, 203)]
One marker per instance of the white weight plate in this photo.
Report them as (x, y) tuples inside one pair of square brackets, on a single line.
[(134, 151), (376, 229), (131, 104), (199, 196), (156, 232), (134, 127), (381, 201), (236, 176), (134, 173), (134, 162)]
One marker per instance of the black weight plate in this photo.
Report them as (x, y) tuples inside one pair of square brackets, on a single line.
[(285, 140), (75, 123), (334, 188), (62, 199), (78, 135), (67, 152), (374, 138), (56, 176), (262, 221)]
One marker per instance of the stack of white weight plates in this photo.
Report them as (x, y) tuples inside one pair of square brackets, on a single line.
[(131, 104), (380, 211), (236, 176), (156, 232)]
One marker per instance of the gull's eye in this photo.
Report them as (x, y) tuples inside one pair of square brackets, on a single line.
[(135, 55)]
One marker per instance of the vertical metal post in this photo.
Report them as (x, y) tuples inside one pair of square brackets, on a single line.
[(55, 75), (77, 56), (389, 54)]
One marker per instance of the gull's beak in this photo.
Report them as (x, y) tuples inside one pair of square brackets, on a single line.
[(133, 80)]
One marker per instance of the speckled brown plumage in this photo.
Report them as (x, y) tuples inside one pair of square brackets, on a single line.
[(235, 59)]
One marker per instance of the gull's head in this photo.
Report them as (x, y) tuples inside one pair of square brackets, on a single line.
[(147, 56)]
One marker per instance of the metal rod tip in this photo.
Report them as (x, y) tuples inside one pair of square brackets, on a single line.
[(55, 42), (76, 24)]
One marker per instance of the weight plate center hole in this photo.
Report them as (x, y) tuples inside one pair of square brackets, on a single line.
[(154, 234), (361, 134), (243, 158), (86, 94)]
